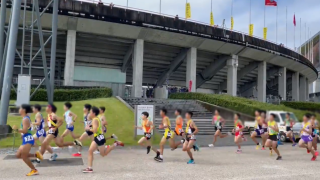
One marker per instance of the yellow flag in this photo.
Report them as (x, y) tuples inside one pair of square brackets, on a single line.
[(211, 19), (232, 23), (251, 30), (188, 11), (265, 30)]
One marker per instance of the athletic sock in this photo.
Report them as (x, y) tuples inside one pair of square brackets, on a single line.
[(161, 156), (270, 148), (263, 146), (192, 159), (79, 152), (111, 136), (115, 144)]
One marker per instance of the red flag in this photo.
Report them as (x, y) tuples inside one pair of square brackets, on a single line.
[(294, 20), (190, 85), (271, 3)]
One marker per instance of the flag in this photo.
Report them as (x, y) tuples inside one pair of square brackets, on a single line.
[(265, 30), (271, 3), (251, 30), (294, 20), (211, 19), (232, 22), (188, 11)]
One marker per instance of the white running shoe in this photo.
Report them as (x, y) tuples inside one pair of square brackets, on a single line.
[(115, 137), (96, 152), (211, 145)]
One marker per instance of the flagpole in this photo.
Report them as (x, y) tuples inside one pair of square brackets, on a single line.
[(277, 25), (160, 7), (286, 27), (300, 36), (264, 20), (294, 32)]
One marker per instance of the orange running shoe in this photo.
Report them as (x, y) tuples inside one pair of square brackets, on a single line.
[(33, 172)]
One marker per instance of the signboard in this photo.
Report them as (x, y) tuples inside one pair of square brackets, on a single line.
[(23, 90), (139, 109)]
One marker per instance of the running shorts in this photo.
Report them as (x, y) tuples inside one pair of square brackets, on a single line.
[(288, 128), (27, 139), (70, 127), (100, 140), (306, 138), (54, 133), (168, 134), (238, 133), (259, 131), (273, 137), (89, 133), (193, 137), (179, 131), (147, 136), (40, 133), (216, 128)]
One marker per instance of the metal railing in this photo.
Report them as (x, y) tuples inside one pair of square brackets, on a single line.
[(14, 147)]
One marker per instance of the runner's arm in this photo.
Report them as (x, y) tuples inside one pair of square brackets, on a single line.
[(38, 120), (74, 116), (151, 126), (275, 127), (104, 121), (195, 127), (59, 121), (241, 129), (25, 125)]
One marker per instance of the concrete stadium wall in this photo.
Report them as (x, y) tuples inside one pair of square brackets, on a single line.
[(82, 73)]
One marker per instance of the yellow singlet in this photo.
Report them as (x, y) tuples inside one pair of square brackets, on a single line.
[(99, 130), (271, 131)]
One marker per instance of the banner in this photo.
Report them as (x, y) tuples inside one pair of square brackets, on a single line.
[(190, 86), (265, 30), (188, 11), (232, 23), (139, 109), (211, 19), (271, 3), (251, 30)]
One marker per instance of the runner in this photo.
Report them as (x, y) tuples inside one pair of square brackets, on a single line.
[(54, 122), (306, 136), (264, 132), (70, 118), (27, 140), (257, 129), (289, 125), (273, 130), (87, 124), (191, 131), (104, 122), (168, 134), (219, 122), (315, 133), (238, 128), (99, 139), (147, 127), (39, 124)]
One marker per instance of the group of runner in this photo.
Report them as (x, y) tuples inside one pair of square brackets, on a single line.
[(95, 126)]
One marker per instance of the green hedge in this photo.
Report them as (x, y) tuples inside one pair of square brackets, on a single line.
[(309, 106), (239, 104), (68, 94)]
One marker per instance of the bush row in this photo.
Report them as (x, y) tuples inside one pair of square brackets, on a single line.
[(65, 87), (68, 94), (309, 106), (239, 104)]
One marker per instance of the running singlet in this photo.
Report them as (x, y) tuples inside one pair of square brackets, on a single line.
[(271, 131), (98, 136), (52, 123), (87, 122), (306, 137), (40, 129), (316, 128), (146, 129), (68, 120), (288, 122), (237, 126), (190, 130), (167, 131), (179, 124), (103, 126), (257, 126), (27, 138)]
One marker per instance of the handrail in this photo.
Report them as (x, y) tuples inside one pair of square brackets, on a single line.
[(181, 18)]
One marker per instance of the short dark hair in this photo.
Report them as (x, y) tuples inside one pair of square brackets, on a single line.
[(53, 107), (238, 115), (179, 111), (288, 114), (308, 115), (26, 107), (190, 113), (217, 110), (68, 105), (164, 111), (103, 108), (95, 110), (314, 115), (257, 111), (273, 115), (145, 113), (87, 106), (37, 107)]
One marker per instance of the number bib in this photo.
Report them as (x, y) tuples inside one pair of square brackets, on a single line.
[(100, 137), (27, 139)]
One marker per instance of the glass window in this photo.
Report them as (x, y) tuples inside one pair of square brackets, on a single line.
[(292, 116)]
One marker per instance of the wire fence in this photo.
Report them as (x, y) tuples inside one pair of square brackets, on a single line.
[(10, 147)]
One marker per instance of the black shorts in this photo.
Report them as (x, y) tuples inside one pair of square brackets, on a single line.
[(89, 133), (147, 136), (288, 128), (54, 133), (273, 137), (190, 138), (100, 140), (218, 128)]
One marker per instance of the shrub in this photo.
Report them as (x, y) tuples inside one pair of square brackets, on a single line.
[(239, 104), (68, 94), (309, 106)]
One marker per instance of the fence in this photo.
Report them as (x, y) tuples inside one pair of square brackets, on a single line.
[(10, 148)]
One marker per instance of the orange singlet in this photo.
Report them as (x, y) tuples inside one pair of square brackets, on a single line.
[(179, 124), (145, 126)]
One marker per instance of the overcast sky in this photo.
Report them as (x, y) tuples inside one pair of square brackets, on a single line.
[(307, 10)]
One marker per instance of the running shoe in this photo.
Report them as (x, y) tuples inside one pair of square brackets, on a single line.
[(148, 149), (196, 147), (77, 143), (119, 143), (191, 162), (76, 155), (263, 148), (270, 152), (96, 152), (33, 172), (313, 158), (114, 137), (53, 157), (258, 147), (211, 145), (279, 158), (308, 151), (158, 159), (158, 154), (87, 170), (36, 161), (293, 145), (172, 149), (316, 153), (39, 155), (239, 151)]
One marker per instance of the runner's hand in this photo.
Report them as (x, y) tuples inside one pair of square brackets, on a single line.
[(15, 127)]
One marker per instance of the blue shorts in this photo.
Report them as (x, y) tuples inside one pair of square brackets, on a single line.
[(27, 139), (70, 127), (40, 133), (259, 131)]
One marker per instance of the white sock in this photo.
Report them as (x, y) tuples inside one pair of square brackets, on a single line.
[(161, 156), (115, 144), (79, 152)]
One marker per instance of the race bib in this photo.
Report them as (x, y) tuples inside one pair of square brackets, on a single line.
[(261, 131), (41, 132), (310, 137), (51, 131), (28, 138), (148, 135), (100, 137)]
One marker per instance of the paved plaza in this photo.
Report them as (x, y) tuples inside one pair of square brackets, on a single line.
[(211, 163)]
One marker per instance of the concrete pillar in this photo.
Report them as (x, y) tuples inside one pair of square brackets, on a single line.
[(262, 81), (307, 89), (70, 58), (282, 83), (295, 86), (191, 68), (303, 89), (161, 93), (232, 65), (137, 66)]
